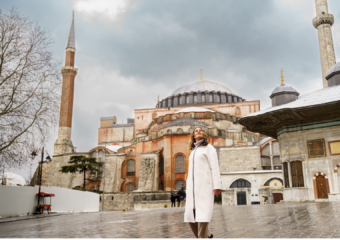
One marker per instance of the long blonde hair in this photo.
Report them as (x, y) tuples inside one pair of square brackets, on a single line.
[(192, 139)]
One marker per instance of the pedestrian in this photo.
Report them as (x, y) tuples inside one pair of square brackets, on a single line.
[(202, 184), (173, 198), (181, 196)]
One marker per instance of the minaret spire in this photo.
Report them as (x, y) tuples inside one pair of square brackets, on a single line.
[(71, 43), (323, 22), (201, 76), (63, 143), (282, 80)]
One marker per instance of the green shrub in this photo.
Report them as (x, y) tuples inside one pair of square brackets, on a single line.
[(165, 206), (123, 209)]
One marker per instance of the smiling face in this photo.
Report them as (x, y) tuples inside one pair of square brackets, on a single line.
[(198, 134)]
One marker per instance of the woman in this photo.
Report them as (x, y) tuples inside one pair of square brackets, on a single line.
[(202, 183)]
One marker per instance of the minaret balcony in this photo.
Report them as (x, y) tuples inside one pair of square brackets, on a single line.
[(325, 18)]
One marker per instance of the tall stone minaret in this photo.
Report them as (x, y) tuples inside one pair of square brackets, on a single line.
[(323, 22), (64, 144)]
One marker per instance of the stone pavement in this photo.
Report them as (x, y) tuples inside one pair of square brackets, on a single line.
[(303, 220)]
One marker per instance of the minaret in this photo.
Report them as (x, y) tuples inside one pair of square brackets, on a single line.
[(64, 144), (323, 22)]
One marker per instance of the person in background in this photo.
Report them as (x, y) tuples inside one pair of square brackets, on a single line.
[(180, 196), (173, 198), (203, 182)]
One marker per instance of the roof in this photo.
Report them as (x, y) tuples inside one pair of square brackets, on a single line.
[(264, 140), (71, 43), (202, 86), (114, 147), (320, 105), (185, 121), (319, 97), (195, 109)]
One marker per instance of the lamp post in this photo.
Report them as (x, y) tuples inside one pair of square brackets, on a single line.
[(104, 174)]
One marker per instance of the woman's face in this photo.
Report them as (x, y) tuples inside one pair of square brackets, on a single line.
[(198, 134)]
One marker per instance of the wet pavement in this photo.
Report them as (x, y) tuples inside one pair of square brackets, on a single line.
[(303, 220)]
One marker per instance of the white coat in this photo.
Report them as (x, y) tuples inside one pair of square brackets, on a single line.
[(203, 178)]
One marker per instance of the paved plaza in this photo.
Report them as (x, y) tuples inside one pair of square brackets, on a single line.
[(316, 220)]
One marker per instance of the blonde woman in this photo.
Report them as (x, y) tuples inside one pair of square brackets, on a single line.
[(202, 183)]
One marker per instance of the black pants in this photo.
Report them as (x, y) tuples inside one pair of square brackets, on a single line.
[(173, 204)]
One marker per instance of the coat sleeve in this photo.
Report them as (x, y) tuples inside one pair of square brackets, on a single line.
[(215, 168)]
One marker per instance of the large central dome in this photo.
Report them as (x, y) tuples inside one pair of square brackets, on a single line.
[(199, 93), (202, 86)]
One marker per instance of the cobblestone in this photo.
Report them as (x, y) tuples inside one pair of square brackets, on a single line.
[(304, 220)]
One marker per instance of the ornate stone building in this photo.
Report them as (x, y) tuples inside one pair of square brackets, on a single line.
[(150, 151)]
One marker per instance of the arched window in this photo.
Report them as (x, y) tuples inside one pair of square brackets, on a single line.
[(218, 98), (203, 97), (187, 99), (130, 168), (210, 97), (131, 152), (161, 134), (240, 183), (179, 130), (180, 99), (161, 166), (179, 184), (169, 131), (130, 187), (169, 102), (191, 130), (161, 186), (195, 98), (179, 164)]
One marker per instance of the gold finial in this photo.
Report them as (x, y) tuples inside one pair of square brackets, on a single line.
[(282, 80), (73, 15), (201, 76)]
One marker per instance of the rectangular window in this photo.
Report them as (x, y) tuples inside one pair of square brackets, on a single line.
[(297, 174), (285, 174), (180, 99), (195, 98), (203, 97), (210, 98)]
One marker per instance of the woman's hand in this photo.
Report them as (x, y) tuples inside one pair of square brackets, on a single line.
[(217, 192)]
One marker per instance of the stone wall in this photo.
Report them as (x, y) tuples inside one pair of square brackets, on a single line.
[(127, 200), (233, 159), (64, 180), (149, 177), (113, 170)]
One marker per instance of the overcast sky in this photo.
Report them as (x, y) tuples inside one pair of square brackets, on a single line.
[(131, 51)]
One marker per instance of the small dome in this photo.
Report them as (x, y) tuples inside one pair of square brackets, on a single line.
[(195, 109), (14, 179), (202, 86), (334, 68), (283, 88)]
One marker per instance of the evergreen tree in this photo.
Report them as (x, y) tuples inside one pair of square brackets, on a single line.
[(81, 164)]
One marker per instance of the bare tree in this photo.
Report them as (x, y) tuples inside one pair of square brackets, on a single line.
[(29, 87)]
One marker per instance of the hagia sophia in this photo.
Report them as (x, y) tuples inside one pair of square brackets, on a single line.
[(291, 149)]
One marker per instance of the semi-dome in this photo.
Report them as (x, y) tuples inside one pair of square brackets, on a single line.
[(202, 92), (202, 86)]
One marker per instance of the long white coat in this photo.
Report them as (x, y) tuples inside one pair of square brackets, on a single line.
[(203, 178)]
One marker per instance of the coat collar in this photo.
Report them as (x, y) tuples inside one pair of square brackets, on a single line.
[(204, 143)]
